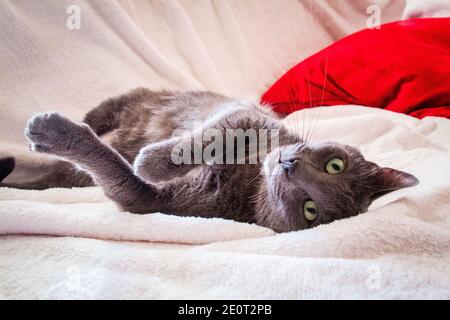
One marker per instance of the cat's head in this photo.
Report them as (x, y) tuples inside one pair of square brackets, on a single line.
[(308, 185)]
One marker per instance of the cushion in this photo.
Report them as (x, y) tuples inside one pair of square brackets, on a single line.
[(404, 67)]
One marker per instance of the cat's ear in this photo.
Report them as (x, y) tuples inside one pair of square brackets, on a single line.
[(386, 180)]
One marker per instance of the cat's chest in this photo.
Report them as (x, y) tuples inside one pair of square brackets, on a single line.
[(224, 177), (230, 186)]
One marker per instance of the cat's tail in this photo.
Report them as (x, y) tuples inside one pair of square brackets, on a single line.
[(7, 166)]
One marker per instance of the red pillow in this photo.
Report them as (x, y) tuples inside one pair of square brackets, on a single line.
[(403, 66)]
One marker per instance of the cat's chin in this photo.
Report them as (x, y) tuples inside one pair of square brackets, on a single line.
[(270, 211)]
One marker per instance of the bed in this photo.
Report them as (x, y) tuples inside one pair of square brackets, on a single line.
[(76, 244)]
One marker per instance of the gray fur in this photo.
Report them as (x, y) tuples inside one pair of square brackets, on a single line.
[(146, 125)]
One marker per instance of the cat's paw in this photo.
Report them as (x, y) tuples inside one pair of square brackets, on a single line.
[(154, 164), (53, 133)]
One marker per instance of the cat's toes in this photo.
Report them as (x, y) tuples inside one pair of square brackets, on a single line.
[(43, 131), (51, 133)]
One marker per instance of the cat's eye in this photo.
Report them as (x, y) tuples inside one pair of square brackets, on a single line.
[(335, 166), (310, 210)]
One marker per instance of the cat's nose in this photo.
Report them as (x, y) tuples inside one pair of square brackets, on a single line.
[(288, 165)]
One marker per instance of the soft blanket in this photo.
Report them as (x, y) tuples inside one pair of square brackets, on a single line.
[(76, 244), (399, 249)]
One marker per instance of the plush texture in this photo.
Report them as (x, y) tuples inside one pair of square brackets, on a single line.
[(399, 249), (426, 9), (401, 67), (76, 244)]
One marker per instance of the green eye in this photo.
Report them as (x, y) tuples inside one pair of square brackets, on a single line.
[(310, 210), (335, 166)]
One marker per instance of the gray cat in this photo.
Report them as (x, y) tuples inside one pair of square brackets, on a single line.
[(297, 185)]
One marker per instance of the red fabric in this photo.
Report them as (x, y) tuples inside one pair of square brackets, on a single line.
[(403, 66)]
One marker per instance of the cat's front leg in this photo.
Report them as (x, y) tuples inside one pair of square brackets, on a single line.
[(52, 133), (159, 162)]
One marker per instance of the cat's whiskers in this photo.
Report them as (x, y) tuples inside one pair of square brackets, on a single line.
[(294, 105), (317, 115), (308, 81), (254, 178), (314, 114)]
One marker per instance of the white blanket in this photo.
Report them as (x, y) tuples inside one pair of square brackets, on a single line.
[(399, 249), (76, 244), (426, 9)]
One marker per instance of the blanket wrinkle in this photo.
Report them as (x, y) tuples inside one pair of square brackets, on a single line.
[(75, 243), (406, 232), (116, 18), (196, 55)]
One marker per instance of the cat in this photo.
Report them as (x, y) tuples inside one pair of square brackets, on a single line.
[(295, 185)]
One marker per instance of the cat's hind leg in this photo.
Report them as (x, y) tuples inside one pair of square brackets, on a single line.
[(57, 174)]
